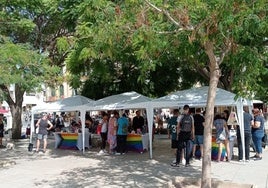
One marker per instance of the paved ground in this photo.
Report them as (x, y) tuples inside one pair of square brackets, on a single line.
[(67, 168)]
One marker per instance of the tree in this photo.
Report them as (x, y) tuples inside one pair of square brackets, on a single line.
[(32, 28), (25, 69), (215, 27), (106, 55), (214, 38)]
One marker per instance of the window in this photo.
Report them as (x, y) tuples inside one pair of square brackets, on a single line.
[(61, 90), (53, 92)]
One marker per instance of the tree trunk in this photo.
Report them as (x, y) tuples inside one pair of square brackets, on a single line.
[(16, 123), (15, 108), (214, 80)]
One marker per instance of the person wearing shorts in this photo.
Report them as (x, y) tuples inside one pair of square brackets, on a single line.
[(43, 124), (172, 130), (199, 132)]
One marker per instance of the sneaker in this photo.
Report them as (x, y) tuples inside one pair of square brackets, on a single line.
[(187, 165), (247, 160), (254, 156), (175, 165), (117, 153), (240, 160), (101, 152), (257, 158)]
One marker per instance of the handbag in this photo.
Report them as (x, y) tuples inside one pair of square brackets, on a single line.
[(223, 135)]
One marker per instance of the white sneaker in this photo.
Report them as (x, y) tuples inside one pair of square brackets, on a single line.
[(101, 152)]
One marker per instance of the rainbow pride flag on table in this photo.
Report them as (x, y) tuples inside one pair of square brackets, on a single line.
[(69, 141), (134, 143)]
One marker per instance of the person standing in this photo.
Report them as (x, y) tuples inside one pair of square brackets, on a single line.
[(104, 129), (2, 128), (185, 131), (43, 124), (122, 134), (221, 136), (59, 123), (112, 128), (138, 122), (257, 133), (199, 132), (248, 123), (172, 130)]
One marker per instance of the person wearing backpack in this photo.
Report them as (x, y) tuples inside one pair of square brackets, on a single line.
[(185, 131)]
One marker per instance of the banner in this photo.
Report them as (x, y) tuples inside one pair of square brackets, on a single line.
[(232, 120)]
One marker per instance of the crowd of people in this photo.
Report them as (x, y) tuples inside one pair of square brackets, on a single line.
[(186, 131), (112, 128), (115, 128)]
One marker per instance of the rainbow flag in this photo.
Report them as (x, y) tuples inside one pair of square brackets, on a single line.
[(214, 150), (134, 143), (69, 141)]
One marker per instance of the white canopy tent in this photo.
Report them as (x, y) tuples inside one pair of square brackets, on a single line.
[(127, 100), (197, 97), (74, 103)]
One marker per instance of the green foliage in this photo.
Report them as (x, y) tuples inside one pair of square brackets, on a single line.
[(140, 44), (23, 66)]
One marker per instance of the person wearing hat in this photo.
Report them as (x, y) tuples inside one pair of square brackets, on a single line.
[(43, 124)]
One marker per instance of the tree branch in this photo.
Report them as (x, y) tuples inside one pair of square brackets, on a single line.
[(225, 51), (153, 6), (165, 12)]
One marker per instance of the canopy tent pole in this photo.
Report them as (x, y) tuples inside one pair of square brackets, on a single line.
[(150, 116), (32, 127), (241, 124), (82, 116)]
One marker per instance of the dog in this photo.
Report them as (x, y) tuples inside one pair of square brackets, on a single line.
[(10, 146)]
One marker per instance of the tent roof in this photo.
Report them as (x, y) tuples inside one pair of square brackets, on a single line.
[(127, 100), (195, 97), (73, 103), (76, 100)]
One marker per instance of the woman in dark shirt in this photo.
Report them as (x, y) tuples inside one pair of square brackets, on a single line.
[(258, 133)]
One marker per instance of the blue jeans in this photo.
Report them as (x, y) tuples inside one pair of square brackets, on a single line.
[(257, 140)]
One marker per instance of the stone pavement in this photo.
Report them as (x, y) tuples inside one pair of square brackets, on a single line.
[(69, 168)]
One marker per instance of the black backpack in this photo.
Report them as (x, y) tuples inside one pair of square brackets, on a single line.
[(186, 123)]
